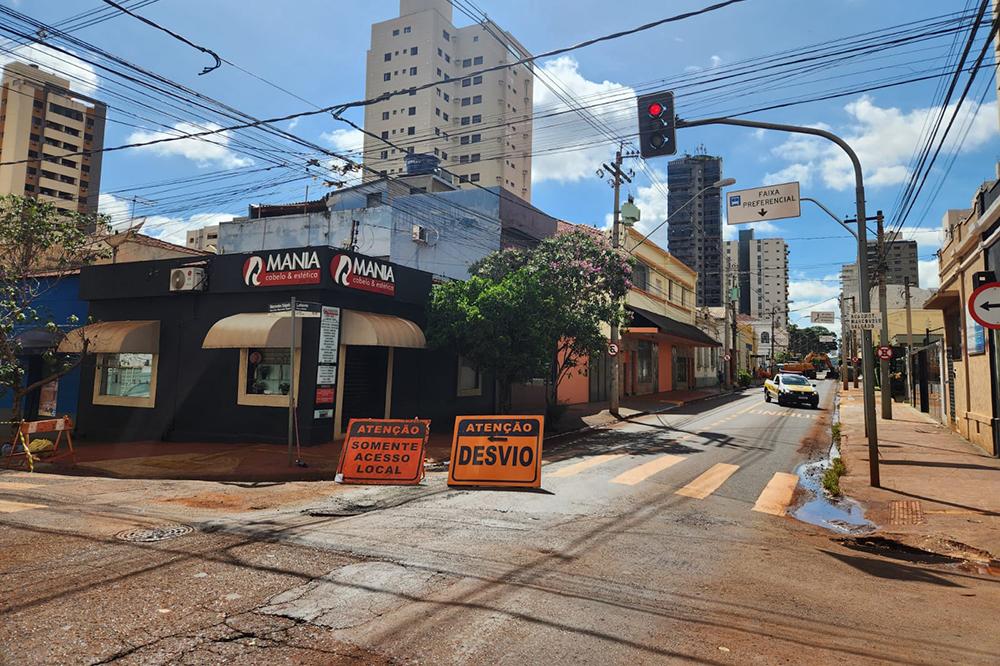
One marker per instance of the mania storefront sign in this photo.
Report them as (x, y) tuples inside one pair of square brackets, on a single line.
[(363, 273), (278, 269)]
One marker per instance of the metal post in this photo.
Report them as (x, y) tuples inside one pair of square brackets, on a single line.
[(734, 363), (291, 388), (615, 333), (772, 336), (909, 343), (844, 348), (866, 335), (883, 364), (725, 332)]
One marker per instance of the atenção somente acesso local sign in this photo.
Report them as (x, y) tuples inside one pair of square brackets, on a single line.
[(277, 269)]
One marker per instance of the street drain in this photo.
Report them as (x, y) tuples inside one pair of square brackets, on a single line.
[(152, 534)]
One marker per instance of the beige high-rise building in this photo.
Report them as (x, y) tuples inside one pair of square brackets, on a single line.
[(479, 126), (43, 125)]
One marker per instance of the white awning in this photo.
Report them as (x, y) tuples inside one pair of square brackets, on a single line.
[(114, 337), (377, 330), (253, 330)]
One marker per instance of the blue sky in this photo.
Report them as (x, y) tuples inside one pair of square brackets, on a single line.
[(316, 50)]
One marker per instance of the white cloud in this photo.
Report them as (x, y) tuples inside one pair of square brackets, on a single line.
[(884, 139), (82, 76), (807, 292), (170, 229), (616, 110), (293, 123), (928, 274), (345, 140), (210, 150), (799, 173)]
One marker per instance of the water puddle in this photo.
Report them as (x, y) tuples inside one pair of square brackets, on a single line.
[(842, 515)]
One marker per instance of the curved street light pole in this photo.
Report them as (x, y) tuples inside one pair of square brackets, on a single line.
[(868, 361)]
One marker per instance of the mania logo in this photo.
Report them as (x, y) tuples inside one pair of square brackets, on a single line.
[(282, 268), (364, 274)]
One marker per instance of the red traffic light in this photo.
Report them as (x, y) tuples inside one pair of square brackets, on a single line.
[(655, 110)]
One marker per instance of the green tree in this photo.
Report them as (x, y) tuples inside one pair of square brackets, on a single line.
[(39, 245), (801, 341), (530, 313)]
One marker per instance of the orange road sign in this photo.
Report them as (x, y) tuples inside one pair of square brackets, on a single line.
[(384, 452), (504, 451)]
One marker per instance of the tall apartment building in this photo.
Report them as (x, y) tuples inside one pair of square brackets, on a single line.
[(43, 127), (479, 125), (204, 238), (694, 234), (759, 267), (900, 260)]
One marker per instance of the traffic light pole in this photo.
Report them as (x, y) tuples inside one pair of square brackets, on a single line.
[(883, 364), (864, 296)]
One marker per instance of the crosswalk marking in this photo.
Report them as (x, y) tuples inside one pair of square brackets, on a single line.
[(16, 485), (643, 472), (10, 507), (709, 482), (576, 468), (777, 494)]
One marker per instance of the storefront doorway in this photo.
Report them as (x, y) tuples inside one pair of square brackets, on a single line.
[(679, 363), (364, 383)]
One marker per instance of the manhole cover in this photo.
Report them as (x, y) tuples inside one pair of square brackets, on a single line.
[(151, 534)]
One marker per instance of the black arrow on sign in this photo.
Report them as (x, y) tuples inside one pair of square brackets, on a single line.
[(989, 306), (762, 212)]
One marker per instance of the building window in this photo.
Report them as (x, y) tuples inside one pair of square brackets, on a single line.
[(476, 138), (470, 379), (463, 179), (765, 338), (413, 50), (412, 111), (477, 99), (413, 71), (387, 57), (466, 83), (474, 157), (464, 140), (437, 111), (464, 159), (385, 115), (444, 155), (474, 178), (440, 54), (384, 155), (478, 60), (465, 120), (439, 71), (395, 33), (477, 119), (476, 80), (411, 130), (447, 58), (125, 380), (387, 76), (385, 134), (406, 30), (475, 38), (265, 377), (447, 37), (447, 97), (640, 276), (644, 362), (445, 116)]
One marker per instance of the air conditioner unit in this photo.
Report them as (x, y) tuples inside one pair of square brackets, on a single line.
[(187, 279), (419, 234)]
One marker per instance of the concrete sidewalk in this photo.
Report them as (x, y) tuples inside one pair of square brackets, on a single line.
[(260, 462), (936, 487)]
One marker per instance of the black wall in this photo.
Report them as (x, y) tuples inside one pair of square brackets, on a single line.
[(196, 389)]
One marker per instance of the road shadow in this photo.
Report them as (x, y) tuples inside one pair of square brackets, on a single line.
[(891, 570)]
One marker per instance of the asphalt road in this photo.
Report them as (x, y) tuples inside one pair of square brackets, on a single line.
[(662, 539)]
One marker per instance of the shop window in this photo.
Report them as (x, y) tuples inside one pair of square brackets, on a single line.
[(125, 380), (265, 377), (470, 379), (644, 362)]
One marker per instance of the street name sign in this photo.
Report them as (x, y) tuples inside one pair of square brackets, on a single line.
[(497, 451), (383, 452), (984, 305), (301, 308), (827, 338), (821, 317), (864, 321), (768, 202)]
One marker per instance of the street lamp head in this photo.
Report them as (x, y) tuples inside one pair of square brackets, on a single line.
[(725, 182)]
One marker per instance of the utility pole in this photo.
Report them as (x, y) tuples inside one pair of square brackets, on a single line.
[(845, 349), (734, 361), (727, 343), (615, 233), (773, 312), (909, 343), (883, 364)]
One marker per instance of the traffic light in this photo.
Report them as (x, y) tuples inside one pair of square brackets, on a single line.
[(656, 124)]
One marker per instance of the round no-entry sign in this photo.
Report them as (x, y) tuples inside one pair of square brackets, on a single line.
[(612, 349), (984, 305), (885, 353), (726, 357)]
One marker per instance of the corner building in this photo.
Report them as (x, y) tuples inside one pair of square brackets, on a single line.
[(478, 125)]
